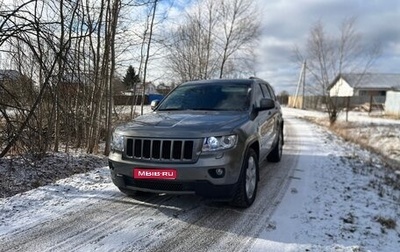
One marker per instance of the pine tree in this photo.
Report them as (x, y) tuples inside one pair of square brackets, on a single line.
[(131, 78)]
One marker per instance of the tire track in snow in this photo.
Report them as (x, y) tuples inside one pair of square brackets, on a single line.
[(73, 229)]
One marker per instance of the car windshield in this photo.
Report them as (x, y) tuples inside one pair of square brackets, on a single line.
[(224, 97)]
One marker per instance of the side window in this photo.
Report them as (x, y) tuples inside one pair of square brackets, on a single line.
[(258, 93), (272, 92), (266, 91)]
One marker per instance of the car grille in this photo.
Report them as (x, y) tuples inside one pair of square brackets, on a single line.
[(163, 150)]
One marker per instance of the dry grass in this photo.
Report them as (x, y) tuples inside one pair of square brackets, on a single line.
[(388, 223), (360, 135)]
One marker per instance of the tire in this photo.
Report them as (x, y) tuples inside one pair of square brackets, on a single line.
[(276, 154), (248, 181)]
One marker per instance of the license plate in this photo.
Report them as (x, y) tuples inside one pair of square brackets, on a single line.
[(139, 173)]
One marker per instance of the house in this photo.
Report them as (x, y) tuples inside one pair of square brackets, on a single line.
[(150, 89), (8, 84), (9, 75), (368, 84), (15, 88), (125, 97), (73, 83), (163, 89)]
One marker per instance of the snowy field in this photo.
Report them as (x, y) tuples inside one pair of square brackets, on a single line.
[(335, 196), (375, 132)]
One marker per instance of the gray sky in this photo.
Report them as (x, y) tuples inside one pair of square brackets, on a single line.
[(286, 24)]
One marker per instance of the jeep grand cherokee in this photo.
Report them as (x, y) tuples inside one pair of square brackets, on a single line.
[(205, 137)]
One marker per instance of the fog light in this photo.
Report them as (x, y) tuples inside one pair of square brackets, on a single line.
[(219, 171)]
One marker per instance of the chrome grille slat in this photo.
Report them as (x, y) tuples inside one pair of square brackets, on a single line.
[(162, 150)]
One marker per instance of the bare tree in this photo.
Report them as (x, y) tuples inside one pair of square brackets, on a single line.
[(240, 27), (145, 48), (146, 60), (188, 57), (329, 55), (70, 46), (28, 25), (114, 11), (213, 38)]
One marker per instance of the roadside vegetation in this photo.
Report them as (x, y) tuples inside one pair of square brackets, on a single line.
[(326, 55), (382, 139), (63, 62)]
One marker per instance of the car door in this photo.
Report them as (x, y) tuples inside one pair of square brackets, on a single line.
[(265, 121), (275, 117)]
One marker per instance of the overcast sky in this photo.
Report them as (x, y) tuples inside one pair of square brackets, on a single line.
[(287, 23)]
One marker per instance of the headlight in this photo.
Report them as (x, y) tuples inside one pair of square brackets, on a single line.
[(219, 143), (117, 142)]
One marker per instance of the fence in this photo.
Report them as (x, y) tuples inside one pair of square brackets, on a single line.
[(357, 101), (128, 100), (310, 102), (319, 102)]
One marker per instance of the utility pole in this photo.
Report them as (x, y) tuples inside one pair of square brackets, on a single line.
[(304, 83), (300, 83)]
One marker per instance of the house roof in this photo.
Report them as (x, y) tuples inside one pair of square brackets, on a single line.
[(75, 78), (375, 81), (9, 75)]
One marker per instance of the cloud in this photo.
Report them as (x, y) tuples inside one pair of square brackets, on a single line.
[(286, 24)]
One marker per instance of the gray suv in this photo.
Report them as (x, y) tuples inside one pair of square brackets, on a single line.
[(205, 137)]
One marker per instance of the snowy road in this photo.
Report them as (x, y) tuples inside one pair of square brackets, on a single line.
[(87, 213)]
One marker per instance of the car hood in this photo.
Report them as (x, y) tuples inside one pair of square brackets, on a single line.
[(184, 124)]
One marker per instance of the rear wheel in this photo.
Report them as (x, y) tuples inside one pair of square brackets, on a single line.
[(248, 181)]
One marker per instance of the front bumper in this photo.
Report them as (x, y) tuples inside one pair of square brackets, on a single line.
[(195, 178)]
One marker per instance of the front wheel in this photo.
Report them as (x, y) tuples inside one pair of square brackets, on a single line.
[(248, 181)]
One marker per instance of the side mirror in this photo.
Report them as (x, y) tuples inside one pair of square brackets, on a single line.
[(266, 104), (154, 104)]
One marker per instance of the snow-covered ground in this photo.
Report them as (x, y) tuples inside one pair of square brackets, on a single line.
[(338, 197), (19, 174), (376, 133), (353, 205)]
